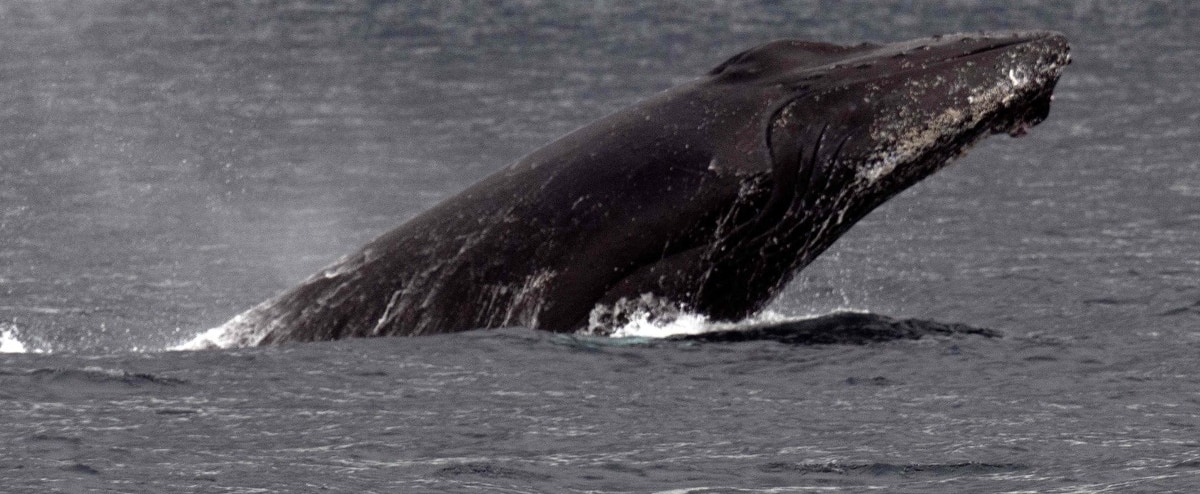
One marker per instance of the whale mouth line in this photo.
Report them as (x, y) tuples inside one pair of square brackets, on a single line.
[(998, 46), (912, 52)]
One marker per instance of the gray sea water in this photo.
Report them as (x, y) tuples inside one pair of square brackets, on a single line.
[(166, 165)]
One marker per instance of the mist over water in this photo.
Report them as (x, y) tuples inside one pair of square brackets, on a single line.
[(165, 166)]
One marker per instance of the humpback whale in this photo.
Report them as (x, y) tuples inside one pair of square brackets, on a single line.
[(707, 197)]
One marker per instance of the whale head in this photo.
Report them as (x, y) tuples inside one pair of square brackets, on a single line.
[(903, 110), (851, 127)]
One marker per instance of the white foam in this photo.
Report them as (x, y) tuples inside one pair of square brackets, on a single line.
[(228, 335), (9, 343), (644, 325), (208, 340)]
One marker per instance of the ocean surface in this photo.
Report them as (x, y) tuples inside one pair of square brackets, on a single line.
[(166, 165)]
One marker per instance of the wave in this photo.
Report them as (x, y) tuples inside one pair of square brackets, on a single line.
[(836, 328), (890, 469), (98, 377)]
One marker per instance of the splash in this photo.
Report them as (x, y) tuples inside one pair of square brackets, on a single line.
[(10, 341), (648, 317), (213, 339), (10, 344), (644, 317), (232, 334), (646, 325)]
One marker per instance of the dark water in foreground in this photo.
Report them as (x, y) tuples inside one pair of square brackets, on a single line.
[(526, 411), (164, 166)]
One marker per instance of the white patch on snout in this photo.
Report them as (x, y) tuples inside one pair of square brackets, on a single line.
[(906, 137), (910, 143), (1017, 77)]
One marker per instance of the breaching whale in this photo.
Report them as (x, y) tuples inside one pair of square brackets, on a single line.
[(707, 197)]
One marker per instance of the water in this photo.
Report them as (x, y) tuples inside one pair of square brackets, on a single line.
[(165, 166)]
